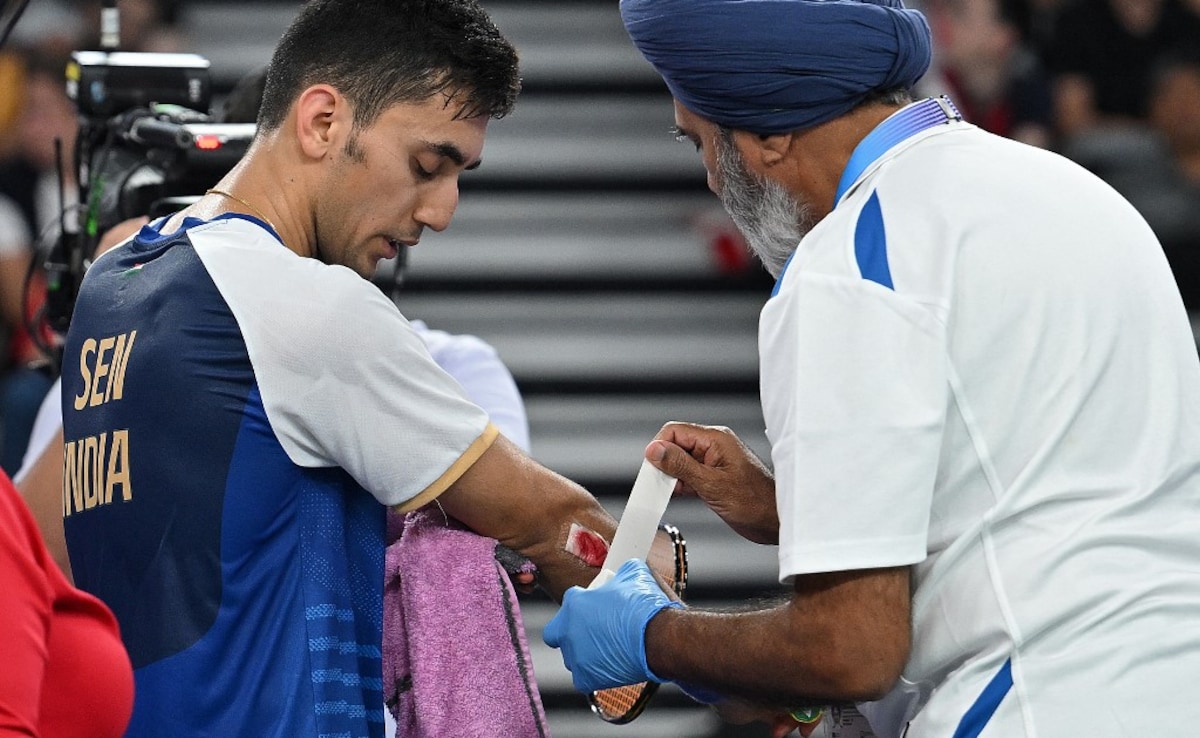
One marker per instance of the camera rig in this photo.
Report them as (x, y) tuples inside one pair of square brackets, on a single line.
[(146, 143)]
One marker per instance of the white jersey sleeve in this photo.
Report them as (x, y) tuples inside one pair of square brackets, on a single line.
[(850, 371), (345, 381), (485, 379)]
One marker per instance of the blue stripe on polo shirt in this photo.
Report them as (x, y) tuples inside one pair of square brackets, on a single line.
[(870, 244), (977, 717)]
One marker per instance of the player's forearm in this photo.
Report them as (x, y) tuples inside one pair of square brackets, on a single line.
[(844, 639), (543, 539), (528, 508)]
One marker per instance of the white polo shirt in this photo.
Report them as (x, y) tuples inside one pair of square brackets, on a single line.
[(979, 364)]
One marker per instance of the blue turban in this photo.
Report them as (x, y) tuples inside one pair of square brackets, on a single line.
[(772, 66)]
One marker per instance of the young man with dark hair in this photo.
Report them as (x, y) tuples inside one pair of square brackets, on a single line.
[(241, 403)]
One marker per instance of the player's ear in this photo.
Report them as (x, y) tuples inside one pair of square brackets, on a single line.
[(322, 119)]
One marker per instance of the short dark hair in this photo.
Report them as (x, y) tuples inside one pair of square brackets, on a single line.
[(382, 52)]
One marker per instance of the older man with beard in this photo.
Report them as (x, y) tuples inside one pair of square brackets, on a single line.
[(982, 394)]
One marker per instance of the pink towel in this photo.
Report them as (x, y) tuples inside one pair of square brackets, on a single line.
[(455, 658)]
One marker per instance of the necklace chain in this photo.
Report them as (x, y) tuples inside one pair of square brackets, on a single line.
[(256, 211)]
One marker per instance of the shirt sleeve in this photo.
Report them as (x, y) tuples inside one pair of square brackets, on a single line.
[(476, 366), (345, 380), (854, 385)]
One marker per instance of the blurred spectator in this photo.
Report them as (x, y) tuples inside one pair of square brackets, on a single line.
[(1172, 201), (993, 77), (1157, 166), (1102, 56), (12, 81), (30, 210), (55, 26), (1038, 22), (145, 25), (1175, 110)]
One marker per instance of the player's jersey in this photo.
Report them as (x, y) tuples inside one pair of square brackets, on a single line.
[(234, 415), (979, 364)]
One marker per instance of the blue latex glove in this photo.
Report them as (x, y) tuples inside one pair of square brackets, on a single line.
[(602, 631)]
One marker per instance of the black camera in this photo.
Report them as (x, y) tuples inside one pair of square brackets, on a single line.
[(146, 143)]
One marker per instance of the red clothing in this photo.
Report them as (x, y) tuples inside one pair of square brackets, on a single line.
[(64, 672)]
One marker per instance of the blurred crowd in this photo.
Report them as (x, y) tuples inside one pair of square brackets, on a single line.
[(38, 127), (1111, 84)]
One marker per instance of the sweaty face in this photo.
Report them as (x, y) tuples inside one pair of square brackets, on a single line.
[(392, 179), (771, 220)]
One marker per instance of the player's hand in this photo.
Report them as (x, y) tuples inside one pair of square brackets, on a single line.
[(713, 464), (602, 631), (521, 571)]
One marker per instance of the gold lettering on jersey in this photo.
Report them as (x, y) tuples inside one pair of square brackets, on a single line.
[(93, 469), (116, 387), (102, 365), (118, 468), (89, 454), (72, 479), (89, 347)]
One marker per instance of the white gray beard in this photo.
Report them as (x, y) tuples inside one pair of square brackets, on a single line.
[(771, 220)]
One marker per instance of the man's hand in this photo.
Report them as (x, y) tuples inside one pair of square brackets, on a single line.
[(602, 631), (713, 464), (520, 570)]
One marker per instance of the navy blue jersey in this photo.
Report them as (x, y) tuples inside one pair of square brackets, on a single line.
[(234, 415)]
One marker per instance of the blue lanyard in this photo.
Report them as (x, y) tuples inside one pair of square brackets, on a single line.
[(930, 112)]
